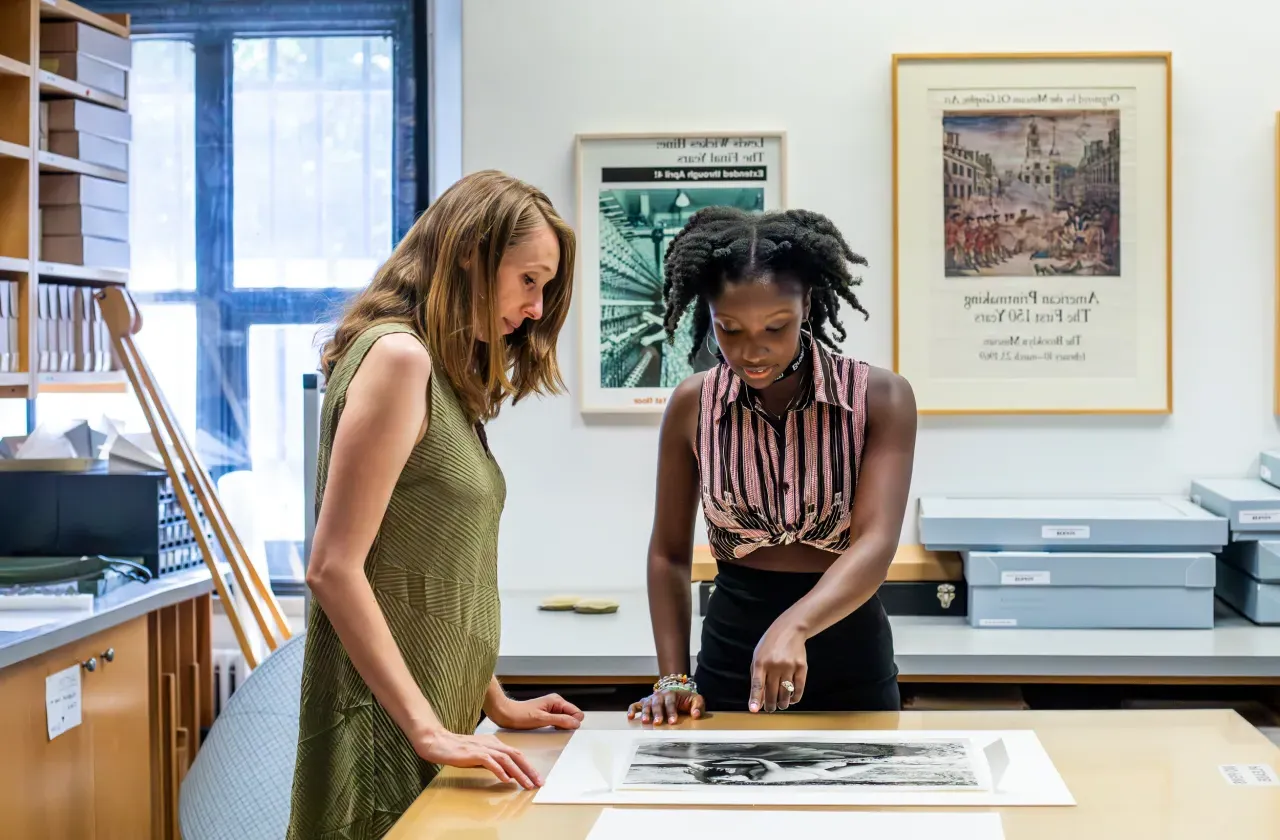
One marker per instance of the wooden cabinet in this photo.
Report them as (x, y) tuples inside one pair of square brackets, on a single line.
[(146, 696), (92, 781)]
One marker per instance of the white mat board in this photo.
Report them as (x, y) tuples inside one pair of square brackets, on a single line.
[(648, 823), (1012, 767)]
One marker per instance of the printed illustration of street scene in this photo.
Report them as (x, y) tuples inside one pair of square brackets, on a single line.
[(1031, 193)]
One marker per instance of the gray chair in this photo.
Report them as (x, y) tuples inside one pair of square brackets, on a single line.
[(238, 787)]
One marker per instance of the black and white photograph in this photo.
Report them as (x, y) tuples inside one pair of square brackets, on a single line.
[(940, 764), (635, 194)]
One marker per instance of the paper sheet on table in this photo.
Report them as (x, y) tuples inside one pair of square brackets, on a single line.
[(593, 767), (647, 823)]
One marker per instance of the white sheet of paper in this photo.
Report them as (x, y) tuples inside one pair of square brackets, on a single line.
[(647, 823), (594, 764), (1249, 774), (23, 612), (62, 700), (22, 620)]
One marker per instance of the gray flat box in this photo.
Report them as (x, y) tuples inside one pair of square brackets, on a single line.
[(1259, 602), (1258, 558), (1249, 504), (1125, 523), (1090, 590), (1269, 467)]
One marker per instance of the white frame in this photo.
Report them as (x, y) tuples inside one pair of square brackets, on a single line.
[(631, 401)]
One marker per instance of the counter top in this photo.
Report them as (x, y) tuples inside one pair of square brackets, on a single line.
[(619, 647), (116, 607), (1137, 775)]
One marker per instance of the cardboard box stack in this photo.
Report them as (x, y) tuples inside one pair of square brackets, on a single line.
[(84, 217)]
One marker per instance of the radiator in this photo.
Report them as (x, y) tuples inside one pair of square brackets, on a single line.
[(228, 672)]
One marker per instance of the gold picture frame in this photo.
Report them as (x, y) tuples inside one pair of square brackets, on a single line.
[(1010, 294)]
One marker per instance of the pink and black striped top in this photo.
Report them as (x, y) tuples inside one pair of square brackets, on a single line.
[(763, 486)]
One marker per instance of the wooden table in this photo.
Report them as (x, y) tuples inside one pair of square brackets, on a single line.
[(1136, 775)]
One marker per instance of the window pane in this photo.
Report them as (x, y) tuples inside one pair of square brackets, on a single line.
[(167, 342), (278, 356), (13, 417), (162, 204), (313, 123)]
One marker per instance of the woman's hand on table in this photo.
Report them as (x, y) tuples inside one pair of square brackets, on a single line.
[(448, 749), (548, 710), (667, 705)]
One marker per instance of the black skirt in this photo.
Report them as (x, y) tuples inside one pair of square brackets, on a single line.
[(850, 664)]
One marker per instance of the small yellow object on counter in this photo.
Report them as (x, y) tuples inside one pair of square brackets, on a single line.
[(560, 603), (596, 606)]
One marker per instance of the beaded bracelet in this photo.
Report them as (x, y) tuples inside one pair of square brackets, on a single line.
[(676, 682)]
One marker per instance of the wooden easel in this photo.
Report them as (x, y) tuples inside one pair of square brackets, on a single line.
[(123, 320)]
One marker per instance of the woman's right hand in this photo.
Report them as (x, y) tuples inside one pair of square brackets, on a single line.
[(451, 750), (668, 705)]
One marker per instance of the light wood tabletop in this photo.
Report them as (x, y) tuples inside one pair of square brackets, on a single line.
[(1135, 774)]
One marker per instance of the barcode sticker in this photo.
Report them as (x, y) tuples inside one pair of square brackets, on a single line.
[(1249, 774), (1259, 517), (1064, 532), (1024, 578), (997, 622)]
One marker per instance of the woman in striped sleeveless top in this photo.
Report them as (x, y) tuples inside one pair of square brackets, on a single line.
[(800, 459)]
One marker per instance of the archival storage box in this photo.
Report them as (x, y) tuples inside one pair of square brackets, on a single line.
[(1249, 504), (1259, 558), (1269, 466), (1257, 601), (1090, 590), (1124, 523)]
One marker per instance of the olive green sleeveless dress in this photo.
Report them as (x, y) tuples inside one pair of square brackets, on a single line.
[(433, 569)]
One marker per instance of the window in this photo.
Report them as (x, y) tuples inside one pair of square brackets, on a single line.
[(313, 173), (272, 171)]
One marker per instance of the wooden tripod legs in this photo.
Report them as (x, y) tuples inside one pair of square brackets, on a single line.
[(123, 321)]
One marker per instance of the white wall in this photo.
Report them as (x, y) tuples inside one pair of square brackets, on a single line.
[(537, 72)]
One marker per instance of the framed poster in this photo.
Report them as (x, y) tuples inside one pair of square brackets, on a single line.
[(635, 193), (1032, 232)]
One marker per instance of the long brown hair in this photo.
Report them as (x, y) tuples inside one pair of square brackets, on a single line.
[(423, 284)]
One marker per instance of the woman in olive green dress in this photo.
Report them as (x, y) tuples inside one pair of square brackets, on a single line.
[(403, 634)]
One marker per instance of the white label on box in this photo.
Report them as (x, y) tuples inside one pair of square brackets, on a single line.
[(1259, 517), (1064, 532), (997, 622), (1249, 774), (1024, 578), (1264, 471), (62, 700)]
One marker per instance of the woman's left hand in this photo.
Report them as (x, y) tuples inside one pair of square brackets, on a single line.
[(779, 658), (549, 710)]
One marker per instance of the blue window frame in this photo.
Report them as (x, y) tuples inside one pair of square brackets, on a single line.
[(338, 80)]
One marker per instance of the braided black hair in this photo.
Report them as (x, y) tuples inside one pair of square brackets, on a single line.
[(721, 244)]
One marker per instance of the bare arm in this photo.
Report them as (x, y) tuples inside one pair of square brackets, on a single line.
[(884, 483), (671, 542), (384, 418)]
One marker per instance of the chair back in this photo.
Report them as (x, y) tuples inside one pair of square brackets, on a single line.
[(240, 784)]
